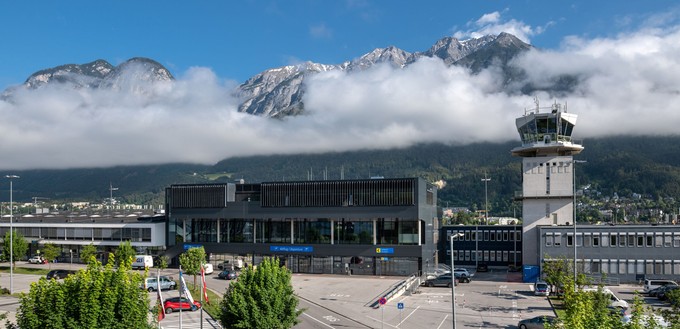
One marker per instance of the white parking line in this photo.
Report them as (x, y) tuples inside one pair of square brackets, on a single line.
[(317, 320)]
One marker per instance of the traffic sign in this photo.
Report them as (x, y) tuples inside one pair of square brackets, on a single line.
[(400, 306), (382, 301)]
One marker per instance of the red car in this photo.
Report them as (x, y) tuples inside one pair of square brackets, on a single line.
[(173, 304)]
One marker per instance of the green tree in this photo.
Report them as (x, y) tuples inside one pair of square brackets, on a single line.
[(50, 253), (192, 260), (162, 262), (88, 252), (96, 297), (262, 298), (125, 253), (19, 246)]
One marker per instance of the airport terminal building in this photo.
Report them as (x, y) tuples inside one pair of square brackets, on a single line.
[(370, 226)]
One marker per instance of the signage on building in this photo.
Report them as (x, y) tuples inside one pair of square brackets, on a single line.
[(291, 248), (384, 250), (188, 246)]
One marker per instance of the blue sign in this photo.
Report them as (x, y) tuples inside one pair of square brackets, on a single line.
[(188, 246), (400, 306), (384, 250), (291, 248)]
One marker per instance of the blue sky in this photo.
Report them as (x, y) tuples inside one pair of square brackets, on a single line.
[(625, 54), (238, 39)]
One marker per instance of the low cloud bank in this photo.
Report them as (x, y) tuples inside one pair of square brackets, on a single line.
[(626, 85)]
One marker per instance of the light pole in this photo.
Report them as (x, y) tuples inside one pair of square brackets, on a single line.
[(486, 180), (573, 173), (453, 281), (11, 233), (486, 219)]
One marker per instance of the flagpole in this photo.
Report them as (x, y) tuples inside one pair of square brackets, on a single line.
[(181, 288), (160, 300), (202, 289)]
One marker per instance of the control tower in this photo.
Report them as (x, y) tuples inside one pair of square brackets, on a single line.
[(547, 172)]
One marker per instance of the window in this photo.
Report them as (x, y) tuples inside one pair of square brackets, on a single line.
[(505, 236), (595, 267), (622, 240), (548, 240), (631, 239), (667, 241), (467, 255), (570, 240), (492, 254), (676, 242), (622, 267), (605, 239), (579, 240), (640, 240), (486, 255), (596, 240), (658, 241), (486, 235), (612, 240), (587, 241), (558, 240), (631, 267), (499, 236), (505, 256), (650, 239)]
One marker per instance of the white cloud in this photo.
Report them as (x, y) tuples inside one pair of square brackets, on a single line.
[(627, 85), (493, 24)]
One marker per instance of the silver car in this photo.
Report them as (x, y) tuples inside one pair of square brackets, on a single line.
[(537, 322)]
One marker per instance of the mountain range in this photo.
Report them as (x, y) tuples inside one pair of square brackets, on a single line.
[(279, 92), (649, 165)]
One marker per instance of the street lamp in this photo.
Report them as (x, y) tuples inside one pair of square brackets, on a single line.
[(486, 219), (11, 233), (453, 280), (486, 180), (573, 172)]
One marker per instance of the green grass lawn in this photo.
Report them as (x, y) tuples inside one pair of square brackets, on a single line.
[(214, 307), (557, 305), (25, 270)]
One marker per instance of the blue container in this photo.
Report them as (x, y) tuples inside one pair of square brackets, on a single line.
[(530, 273)]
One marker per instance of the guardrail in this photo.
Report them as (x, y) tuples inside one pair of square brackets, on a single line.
[(410, 284)]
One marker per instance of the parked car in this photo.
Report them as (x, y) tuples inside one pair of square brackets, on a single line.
[(537, 322), (443, 280), (614, 301), (37, 260), (207, 268), (663, 294), (541, 288), (227, 275), (462, 271), (651, 284), (482, 268), (645, 318), (174, 304), (237, 264), (151, 283), (59, 274), (655, 292), (462, 277)]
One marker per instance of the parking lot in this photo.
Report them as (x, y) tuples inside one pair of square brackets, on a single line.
[(495, 299)]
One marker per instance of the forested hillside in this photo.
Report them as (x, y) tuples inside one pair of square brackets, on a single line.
[(625, 165)]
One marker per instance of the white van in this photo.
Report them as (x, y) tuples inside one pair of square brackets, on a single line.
[(651, 284), (615, 302), (142, 262)]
